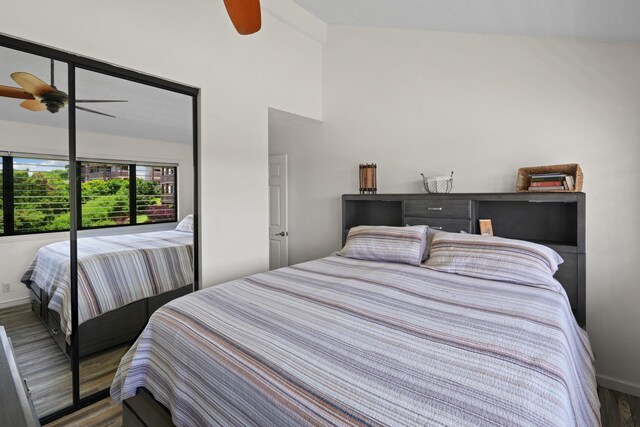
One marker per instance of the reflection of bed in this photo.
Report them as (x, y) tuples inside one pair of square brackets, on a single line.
[(122, 279), (341, 341)]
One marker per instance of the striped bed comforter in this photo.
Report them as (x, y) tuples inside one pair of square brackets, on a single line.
[(113, 271), (339, 341)]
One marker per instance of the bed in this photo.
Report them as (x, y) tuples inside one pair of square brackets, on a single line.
[(122, 279), (450, 333), (340, 341)]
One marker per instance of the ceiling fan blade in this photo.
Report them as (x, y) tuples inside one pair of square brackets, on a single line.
[(245, 15), (100, 100), (31, 83), (14, 92), (94, 111), (33, 105)]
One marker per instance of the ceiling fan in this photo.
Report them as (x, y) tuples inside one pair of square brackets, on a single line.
[(41, 96), (245, 15)]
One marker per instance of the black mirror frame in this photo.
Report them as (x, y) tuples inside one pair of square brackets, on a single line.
[(74, 61)]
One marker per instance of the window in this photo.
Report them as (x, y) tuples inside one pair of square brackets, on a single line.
[(155, 194), (104, 194), (35, 194), (40, 195)]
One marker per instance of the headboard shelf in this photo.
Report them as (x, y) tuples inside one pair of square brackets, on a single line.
[(556, 220), (556, 246), (374, 212)]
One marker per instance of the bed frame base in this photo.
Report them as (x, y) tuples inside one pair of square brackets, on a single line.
[(142, 410), (108, 330)]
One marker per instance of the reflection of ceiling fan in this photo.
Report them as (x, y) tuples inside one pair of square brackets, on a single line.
[(41, 96), (245, 15)]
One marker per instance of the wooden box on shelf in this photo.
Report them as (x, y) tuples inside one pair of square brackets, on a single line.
[(571, 169)]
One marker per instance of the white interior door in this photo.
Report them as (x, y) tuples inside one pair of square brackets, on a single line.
[(278, 225)]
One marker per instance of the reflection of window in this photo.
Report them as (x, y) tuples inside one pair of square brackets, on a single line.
[(155, 194), (104, 194), (34, 194)]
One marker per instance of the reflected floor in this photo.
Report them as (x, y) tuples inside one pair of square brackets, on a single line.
[(46, 369)]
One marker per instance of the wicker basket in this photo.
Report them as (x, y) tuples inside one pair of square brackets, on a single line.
[(573, 169)]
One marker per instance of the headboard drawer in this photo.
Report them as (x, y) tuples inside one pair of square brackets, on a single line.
[(438, 208)]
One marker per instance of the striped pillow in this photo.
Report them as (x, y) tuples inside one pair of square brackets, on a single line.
[(390, 244), (494, 258), (424, 247)]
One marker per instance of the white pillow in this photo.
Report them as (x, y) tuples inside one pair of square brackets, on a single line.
[(186, 224)]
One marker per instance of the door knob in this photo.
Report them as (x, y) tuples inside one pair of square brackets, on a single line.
[(282, 233)]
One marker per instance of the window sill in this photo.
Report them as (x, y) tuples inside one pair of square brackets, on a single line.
[(64, 235)]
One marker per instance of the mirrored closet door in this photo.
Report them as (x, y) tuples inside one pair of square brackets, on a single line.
[(135, 164), (98, 185), (35, 222)]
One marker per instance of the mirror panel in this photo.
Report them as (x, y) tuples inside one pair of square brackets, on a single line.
[(34, 224), (135, 157), (135, 178)]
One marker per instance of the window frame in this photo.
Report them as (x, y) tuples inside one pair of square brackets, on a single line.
[(8, 195), (9, 188), (133, 195)]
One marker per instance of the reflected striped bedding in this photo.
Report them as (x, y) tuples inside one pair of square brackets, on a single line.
[(338, 341), (113, 271)]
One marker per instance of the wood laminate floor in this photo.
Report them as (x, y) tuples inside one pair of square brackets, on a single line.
[(104, 413), (46, 369), (619, 409)]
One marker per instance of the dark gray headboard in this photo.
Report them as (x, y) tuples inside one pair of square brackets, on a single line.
[(556, 220)]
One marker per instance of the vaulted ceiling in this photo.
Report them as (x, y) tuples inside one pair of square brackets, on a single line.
[(615, 20)]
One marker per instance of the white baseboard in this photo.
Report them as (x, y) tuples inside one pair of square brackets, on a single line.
[(618, 385), (14, 302)]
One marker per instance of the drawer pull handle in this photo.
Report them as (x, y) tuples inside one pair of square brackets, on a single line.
[(436, 228), (54, 331), (26, 387), (434, 209)]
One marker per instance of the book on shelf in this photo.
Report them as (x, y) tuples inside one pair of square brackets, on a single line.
[(545, 179), (547, 175), (557, 187), (570, 183), (546, 183)]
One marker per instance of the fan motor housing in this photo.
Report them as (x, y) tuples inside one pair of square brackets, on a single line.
[(54, 100)]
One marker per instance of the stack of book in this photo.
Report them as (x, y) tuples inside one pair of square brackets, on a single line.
[(552, 181)]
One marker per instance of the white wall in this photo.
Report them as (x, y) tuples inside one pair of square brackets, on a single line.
[(483, 106), (16, 252), (239, 77)]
